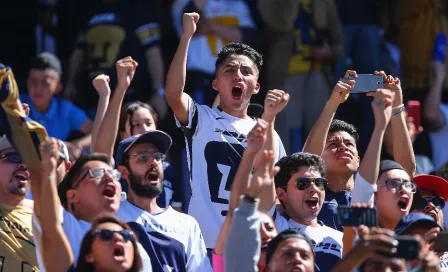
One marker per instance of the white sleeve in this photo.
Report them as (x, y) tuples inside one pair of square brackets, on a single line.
[(199, 117), (75, 230), (363, 191), (280, 149), (197, 259), (280, 222), (146, 261)]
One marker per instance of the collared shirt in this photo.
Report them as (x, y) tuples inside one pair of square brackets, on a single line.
[(328, 213), (60, 120)]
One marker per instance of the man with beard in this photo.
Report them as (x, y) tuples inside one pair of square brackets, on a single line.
[(17, 249), (139, 159)]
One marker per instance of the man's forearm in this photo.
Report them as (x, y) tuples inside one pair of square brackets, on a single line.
[(241, 180), (103, 102), (155, 66), (402, 144), (431, 106), (178, 69), (315, 142), (370, 163), (109, 127)]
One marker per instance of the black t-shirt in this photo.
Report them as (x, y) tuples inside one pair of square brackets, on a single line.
[(113, 31)]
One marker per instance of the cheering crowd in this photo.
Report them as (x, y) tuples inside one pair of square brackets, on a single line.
[(113, 198)]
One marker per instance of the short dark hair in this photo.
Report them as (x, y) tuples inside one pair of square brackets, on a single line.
[(74, 172), (87, 241), (339, 125), (289, 165), (239, 49), (286, 234)]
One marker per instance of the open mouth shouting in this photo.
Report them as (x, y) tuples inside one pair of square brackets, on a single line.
[(153, 175), (119, 255), (403, 203), (110, 190), (21, 177), (312, 203), (237, 91)]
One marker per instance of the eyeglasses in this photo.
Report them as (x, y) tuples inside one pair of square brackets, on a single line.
[(146, 155), (304, 183), (438, 202), (13, 157), (396, 184), (108, 235), (98, 173)]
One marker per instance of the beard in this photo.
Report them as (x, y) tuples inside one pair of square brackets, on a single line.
[(145, 190)]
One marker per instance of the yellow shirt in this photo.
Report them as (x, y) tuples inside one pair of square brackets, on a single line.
[(304, 36), (17, 250)]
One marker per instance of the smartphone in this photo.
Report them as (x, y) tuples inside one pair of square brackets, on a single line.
[(413, 109), (367, 83), (354, 216), (441, 242), (408, 248)]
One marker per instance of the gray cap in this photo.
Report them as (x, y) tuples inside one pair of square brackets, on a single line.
[(47, 61)]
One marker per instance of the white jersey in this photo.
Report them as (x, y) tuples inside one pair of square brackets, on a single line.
[(215, 141), (327, 242), (204, 48), (181, 227), (439, 141), (75, 231)]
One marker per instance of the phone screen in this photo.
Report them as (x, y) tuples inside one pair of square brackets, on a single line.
[(354, 216)]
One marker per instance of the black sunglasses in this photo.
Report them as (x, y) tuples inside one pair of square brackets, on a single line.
[(108, 235), (304, 183), (13, 157), (435, 200)]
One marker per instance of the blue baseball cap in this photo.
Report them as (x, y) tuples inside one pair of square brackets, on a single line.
[(159, 139), (415, 219)]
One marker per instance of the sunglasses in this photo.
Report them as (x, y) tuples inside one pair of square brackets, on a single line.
[(108, 235), (396, 184), (13, 157), (438, 202), (98, 173), (304, 183), (146, 156)]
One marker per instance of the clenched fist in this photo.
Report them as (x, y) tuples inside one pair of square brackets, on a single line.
[(190, 21), (125, 72), (101, 84), (274, 103)]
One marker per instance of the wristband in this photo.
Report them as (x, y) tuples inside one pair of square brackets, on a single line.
[(162, 91), (398, 112), (398, 107)]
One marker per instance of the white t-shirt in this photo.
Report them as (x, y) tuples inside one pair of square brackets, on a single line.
[(176, 225), (363, 192), (204, 48), (216, 142), (75, 231), (327, 242), (444, 262), (439, 141)]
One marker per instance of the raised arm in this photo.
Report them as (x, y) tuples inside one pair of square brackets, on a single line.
[(101, 84), (275, 102), (174, 92), (401, 140), (255, 142), (109, 126), (243, 244), (382, 110), (55, 245), (315, 142)]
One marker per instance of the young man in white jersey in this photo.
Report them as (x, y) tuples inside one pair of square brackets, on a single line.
[(139, 159), (221, 22), (216, 138), (301, 188)]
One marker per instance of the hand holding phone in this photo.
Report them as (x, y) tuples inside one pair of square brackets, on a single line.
[(413, 110), (367, 83)]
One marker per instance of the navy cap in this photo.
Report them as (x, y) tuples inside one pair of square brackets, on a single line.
[(386, 165), (415, 219), (159, 139)]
